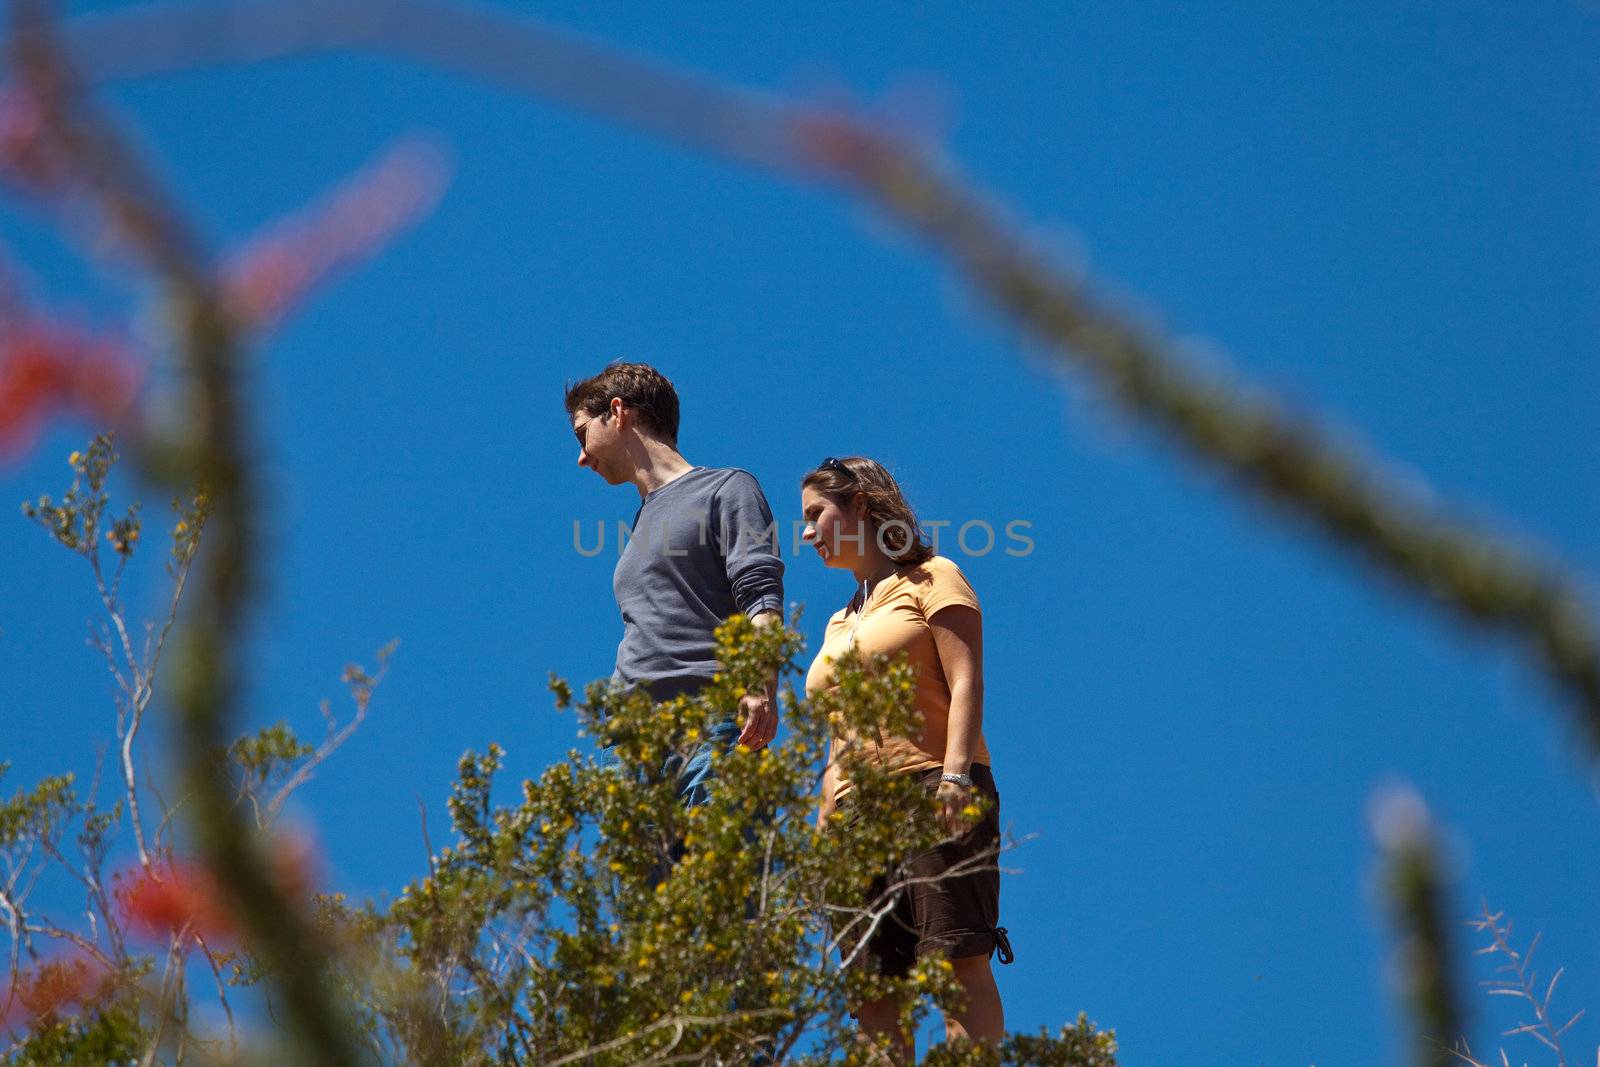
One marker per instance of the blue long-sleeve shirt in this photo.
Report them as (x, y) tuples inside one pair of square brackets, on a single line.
[(703, 547)]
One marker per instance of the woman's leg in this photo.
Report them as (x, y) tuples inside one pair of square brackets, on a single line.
[(983, 1019), (882, 1017)]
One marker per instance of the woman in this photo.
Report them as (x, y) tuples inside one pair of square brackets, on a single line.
[(912, 602)]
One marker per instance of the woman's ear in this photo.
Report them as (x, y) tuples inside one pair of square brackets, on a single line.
[(858, 506)]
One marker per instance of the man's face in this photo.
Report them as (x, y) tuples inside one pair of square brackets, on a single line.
[(599, 444)]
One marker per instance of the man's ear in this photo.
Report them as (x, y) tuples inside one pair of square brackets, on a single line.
[(618, 411)]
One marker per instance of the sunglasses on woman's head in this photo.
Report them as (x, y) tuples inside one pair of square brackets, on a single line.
[(831, 464)]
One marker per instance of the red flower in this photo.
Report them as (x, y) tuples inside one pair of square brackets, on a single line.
[(52, 987), (835, 142), (274, 272), (176, 898), (29, 155), (45, 368), (833, 137), (293, 864), (183, 897)]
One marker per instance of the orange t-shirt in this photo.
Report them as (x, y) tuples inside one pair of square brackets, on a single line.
[(894, 621)]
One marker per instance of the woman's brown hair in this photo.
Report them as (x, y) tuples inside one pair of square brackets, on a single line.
[(895, 525)]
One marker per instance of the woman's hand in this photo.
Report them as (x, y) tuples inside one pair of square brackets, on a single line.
[(954, 808), (825, 809)]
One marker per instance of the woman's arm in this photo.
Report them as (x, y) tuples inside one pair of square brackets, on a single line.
[(958, 635), (830, 782)]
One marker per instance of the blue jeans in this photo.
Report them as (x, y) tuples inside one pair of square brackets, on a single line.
[(693, 773)]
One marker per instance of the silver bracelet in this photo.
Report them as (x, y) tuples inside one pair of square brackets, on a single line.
[(958, 779)]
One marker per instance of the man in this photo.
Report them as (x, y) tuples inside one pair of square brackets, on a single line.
[(703, 548)]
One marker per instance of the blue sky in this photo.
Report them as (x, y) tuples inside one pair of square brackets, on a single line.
[(1386, 214)]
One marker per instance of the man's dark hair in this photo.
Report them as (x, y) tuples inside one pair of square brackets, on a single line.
[(640, 386)]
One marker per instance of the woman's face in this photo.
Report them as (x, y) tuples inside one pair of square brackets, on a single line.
[(835, 531)]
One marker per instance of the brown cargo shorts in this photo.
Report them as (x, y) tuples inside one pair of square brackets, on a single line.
[(940, 914)]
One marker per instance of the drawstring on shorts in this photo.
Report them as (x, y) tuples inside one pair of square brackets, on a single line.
[(1002, 946)]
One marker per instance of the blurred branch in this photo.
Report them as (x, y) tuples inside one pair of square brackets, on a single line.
[(514, 52), (1289, 459), (212, 457), (1414, 885), (1285, 458), (85, 158)]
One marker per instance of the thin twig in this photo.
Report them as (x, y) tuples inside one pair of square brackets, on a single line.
[(1522, 985), (73, 938), (671, 1021), (15, 921), (141, 699), (887, 899), (222, 995), (302, 774)]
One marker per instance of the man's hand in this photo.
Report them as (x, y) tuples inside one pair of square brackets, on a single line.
[(760, 710), (760, 720)]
